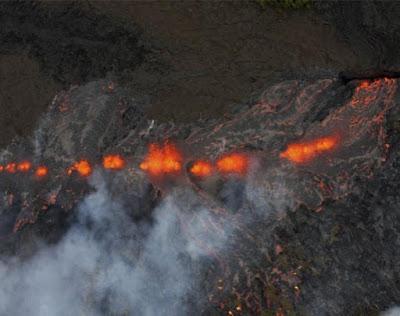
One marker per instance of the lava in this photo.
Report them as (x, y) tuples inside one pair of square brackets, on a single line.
[(11, 167), (113, 162), (201, 168), (306, 151), (366, 92), (24, 166), (162, 159), (233, 163), (82, 167), (41, 171)]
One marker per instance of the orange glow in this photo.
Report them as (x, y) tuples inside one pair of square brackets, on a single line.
[(41, 171), (162, 159), (82, 167), (201, 168), (304, 152), (1, 168), (366, 92), (233, 163), (114, 162), (24, 166), (11, 167)]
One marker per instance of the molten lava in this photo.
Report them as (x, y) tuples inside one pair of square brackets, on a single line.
[(233, 163), (304, 152), (201, 168), (11, 167), (162, 159), (82, 167), (41, 171), (24, 166), (113, 162)]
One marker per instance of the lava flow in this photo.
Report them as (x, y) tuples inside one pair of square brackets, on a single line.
[(201, 168), (366, 92), (304, 152), (24, 166), (11, 167), (162, 159), (41, 171), (236, 163), (82, 167), (113, 162)]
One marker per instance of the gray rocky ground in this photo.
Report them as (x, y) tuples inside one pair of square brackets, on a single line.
[(315, 239)]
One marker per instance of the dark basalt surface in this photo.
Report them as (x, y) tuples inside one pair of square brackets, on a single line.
[(192, 60), (335, 218), (314, 239)]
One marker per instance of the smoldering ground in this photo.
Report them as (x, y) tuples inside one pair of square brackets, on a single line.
[(109, 264)]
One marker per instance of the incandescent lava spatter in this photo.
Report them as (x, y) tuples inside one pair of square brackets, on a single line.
[(314, 192)]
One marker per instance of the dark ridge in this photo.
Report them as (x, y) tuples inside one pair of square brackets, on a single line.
[(347, 76)]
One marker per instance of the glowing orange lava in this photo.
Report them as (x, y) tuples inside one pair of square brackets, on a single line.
[(82, 167), (201, 168), (162, 159), (41, 171), (24, 166), (11, 167), (304, 152), (113, 162), (233, 163)]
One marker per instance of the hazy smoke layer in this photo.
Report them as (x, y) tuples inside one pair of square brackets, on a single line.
[(107, 264), (395, 311)]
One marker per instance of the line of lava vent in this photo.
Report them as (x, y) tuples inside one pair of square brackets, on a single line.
[(301, 144)]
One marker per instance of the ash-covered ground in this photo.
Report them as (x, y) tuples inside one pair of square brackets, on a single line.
[(286, 237)]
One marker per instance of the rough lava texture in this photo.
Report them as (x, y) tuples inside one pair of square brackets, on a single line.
[(318, 238)]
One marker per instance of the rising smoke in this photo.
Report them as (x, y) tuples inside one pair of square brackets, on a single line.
[(108, 264), (395, 311)]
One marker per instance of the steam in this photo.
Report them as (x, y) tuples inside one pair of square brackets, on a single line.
[(395, 311), (108, 264)]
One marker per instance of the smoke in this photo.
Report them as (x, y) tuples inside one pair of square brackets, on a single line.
[(108, 264), (395, 311)]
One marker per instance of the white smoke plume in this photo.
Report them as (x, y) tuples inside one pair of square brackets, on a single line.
[(107, 264), (394, 311)]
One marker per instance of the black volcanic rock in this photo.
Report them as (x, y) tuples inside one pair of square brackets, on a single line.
[(317, 237)]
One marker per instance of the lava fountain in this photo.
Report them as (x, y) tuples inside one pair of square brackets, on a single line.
[(305, 151), (201, 168), (234, 163), (113, 162), (162, 159), (82, 167)]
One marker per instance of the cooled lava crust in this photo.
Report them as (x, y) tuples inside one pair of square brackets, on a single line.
[(314, 235)]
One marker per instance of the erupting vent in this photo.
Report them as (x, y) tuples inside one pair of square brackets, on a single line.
[(113, 162), (303, 152), (353, 128), (228, 177), (162, 159), (167, 159), (201, 168), (82, 167), (233, 163)]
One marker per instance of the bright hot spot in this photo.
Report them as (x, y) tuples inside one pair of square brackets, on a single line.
[(236, 163), (162, 159), (113, 162), (306, 151)]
